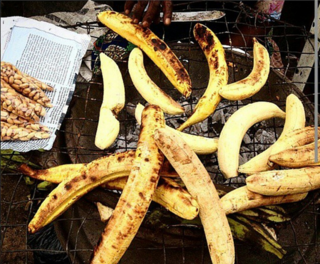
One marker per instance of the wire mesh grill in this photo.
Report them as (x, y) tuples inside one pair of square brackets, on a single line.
[(79, 228)]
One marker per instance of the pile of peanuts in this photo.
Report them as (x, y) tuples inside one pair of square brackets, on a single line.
[(23, 102)]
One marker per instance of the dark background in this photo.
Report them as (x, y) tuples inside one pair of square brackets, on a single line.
[(299, 13)]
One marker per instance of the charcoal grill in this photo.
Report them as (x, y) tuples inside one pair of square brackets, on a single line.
[(79, 228)]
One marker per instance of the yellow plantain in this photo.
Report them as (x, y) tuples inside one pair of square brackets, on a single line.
[(105, 212), (242, 199), (112, 103), (157, 50), (113, 86), (237, 200), (169, 194), (200, 145), (59, 173), (137, 194), (283, 182), (55, 174), (199, 184), (234, 130), (147, 88), (72, 188), (253, 83), (296, 138), (104, 171), (218, 70), (295, 119), (297, 157)]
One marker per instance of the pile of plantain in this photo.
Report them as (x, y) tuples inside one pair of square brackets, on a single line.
[(165, 167)]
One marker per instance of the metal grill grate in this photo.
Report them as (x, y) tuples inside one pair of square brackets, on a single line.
[(79, 228)]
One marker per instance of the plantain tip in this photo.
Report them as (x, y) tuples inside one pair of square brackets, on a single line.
[(31, 229), (25, 169)]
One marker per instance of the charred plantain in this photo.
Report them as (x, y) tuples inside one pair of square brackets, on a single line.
[(157, 50)]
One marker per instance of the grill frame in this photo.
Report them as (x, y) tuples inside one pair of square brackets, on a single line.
[(60, 153)]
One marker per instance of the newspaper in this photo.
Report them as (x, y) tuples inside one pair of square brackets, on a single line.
[(50, 54), (88, 13)]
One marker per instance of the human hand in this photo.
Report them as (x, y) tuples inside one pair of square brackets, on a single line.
[(152, 14)]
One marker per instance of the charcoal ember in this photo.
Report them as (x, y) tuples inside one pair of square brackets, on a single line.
[(210, 164), (171, 122), (243, 158), (130, 108), (236, 181), (213, 168), (247, 139), (245, 149), (196, 128), (132, 145), (263, 139), (218, 178), (265, 136), (188, 110), (217, 116), (133, 136), (113, 146), (204, 127), (130, 140), (121, 143), (137, 130), (174, 122), (245, 154), (199, 128), (225, 110)]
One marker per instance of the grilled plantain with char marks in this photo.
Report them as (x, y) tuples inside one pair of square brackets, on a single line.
[(137, 194), (218, 69), (157, 50)]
